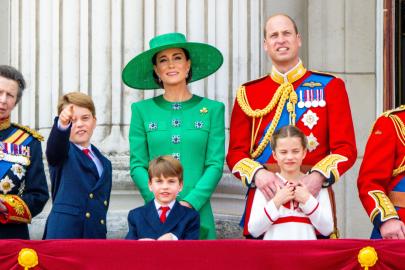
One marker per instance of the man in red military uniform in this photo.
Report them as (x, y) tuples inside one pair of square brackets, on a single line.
[(317, 103), (381, 181)]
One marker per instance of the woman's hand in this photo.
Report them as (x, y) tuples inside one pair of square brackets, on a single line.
[(186, 204)]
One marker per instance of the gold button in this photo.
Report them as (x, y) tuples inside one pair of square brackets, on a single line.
[(102, 221), (105, 203), (87, 215), (91, 195)]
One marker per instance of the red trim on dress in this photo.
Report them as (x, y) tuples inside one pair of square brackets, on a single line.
[(316, 207), (292, 219), (267, 214)]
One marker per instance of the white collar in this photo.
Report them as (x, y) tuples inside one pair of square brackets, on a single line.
[(158, 205), (81, 147)]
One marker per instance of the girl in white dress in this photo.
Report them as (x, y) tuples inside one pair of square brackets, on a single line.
[(293, 213)]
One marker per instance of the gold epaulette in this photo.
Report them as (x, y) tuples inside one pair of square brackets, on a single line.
[(31, 131), (389, 112), (324, 73)]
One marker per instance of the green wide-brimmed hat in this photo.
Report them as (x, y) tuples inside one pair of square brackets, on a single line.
[(205, 60)]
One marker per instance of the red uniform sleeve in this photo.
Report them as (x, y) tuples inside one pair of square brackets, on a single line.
[(239, 136), (375, 176), (238, 157)]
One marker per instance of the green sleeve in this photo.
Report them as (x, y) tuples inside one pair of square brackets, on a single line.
[(139, 156), (214, 161)]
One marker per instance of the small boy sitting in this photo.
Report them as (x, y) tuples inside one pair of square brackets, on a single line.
[(81, 177), (164, 218)]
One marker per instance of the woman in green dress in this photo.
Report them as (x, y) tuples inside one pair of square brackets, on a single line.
[(178, 123)]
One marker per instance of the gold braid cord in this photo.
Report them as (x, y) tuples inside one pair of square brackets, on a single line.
[(383, 205), (400, 130), (284, 92)]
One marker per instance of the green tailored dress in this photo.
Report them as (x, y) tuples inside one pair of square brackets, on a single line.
[(192, 131)]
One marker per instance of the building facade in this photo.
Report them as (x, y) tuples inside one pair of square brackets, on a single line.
[(79, 45)]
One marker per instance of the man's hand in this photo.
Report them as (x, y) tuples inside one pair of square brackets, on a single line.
[(313, 182), (393, 229), (266, 182), (66, 115)]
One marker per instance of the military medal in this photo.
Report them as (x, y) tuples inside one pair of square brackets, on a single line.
[(322, 102), (18, 170), (315, 102), (6, 185), (310, 119), (301, 103), (312, 142), (307, 100)]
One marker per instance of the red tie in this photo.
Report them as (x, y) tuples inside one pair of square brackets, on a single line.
[(164, 212), (87, 152)]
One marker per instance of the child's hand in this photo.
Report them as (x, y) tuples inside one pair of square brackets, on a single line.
[(66, 115), (283, 195), (166, 236), (301, 193), (146, 239)]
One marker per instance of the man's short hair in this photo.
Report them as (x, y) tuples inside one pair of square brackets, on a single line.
[(166, 166), (78, 99), (11, 73), (280, 14)]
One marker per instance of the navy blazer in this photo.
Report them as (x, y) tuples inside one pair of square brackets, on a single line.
[(80, 196), (182, 221)]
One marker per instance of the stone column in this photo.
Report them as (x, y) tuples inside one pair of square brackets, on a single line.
[(4, 31), (79, 45), (341, 40)]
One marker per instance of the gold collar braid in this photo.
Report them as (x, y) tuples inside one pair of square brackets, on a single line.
[(5, 124), (291, 76)]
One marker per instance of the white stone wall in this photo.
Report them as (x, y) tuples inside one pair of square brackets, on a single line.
[(4, 31), (67, 45)]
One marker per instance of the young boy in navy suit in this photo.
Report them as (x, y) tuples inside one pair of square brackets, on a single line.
[(81, 176), (164, 218)]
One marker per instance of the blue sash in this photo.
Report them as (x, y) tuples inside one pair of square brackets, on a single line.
[(400, 186), (6, 165), (284, 118)]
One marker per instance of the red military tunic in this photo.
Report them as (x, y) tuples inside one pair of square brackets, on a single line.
[(381, 181), (329, 129)]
